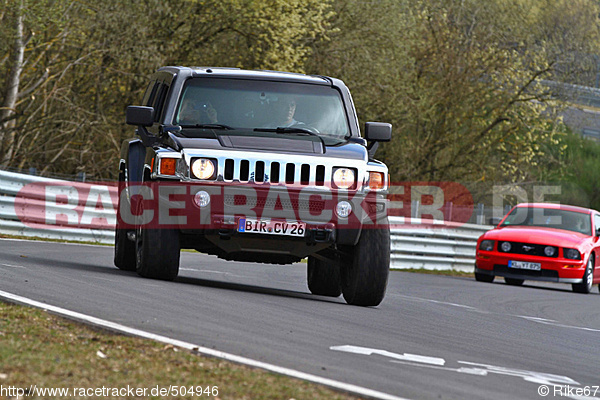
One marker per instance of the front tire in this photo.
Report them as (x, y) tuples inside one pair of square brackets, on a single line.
[(585, 286), (157, 252), (479, 277), (323, 277), (366, 267)]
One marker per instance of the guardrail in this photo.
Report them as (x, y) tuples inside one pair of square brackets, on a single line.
[(434, 246), (25, 210)]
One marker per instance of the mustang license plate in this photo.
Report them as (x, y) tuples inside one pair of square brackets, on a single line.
[(269, 227), (525, 265)]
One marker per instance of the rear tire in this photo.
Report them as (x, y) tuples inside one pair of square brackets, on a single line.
[(323, 277), (124, 248), (514, 281), (585, 286), (366, 267)]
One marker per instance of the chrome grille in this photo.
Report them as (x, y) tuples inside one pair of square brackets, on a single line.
[(274, 172)]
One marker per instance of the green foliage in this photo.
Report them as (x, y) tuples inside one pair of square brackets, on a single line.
[(87, 60), (460, 81)]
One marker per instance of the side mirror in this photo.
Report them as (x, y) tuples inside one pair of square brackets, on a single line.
[(597, 231), (140, 116), (378, 131), (494, 221)]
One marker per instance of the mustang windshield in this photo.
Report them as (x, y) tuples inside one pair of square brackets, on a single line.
[(549, 218), (263, 106)]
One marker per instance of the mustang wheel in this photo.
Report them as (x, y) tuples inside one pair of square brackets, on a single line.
[(479, 277), (588, 278), (323, 277), (514, 281), (366, 267)]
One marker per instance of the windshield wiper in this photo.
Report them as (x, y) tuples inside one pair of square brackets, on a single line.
[(288, 129), (210, 126)]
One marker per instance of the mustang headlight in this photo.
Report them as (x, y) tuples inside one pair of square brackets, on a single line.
[(203, 168), (486, 245), (572, 254), (344, 178), (549, 251)]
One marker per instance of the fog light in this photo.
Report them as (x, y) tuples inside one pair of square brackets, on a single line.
[(343, 209), (202, 199)]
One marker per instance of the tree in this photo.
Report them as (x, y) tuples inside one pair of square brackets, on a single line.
[(460, 89), (87, 60)]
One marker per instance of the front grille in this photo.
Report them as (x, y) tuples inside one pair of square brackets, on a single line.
[(274, 172), (528, 249), (313, 206)]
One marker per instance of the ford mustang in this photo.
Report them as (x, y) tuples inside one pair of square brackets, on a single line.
[(542, 242)]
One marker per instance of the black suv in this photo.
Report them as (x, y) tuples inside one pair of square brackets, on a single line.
[(255, 166)]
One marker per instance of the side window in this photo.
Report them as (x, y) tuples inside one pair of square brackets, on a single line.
[(596, 223), (160, 101), (150, 94)]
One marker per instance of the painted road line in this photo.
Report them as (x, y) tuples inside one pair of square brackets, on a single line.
[(199, 349)]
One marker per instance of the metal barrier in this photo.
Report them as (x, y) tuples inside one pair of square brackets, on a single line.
[(434, 246), (33, 206), (49, 208)]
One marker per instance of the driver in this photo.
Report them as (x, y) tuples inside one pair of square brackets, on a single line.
[(285, 111), (194, 112)]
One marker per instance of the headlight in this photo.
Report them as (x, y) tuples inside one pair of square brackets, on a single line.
[(203, 168), (486, 245), (505, 246), (572, 254), (343, 178), (549, 251)]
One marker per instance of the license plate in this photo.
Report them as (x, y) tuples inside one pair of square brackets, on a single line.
[(525, 265), (269, 227)]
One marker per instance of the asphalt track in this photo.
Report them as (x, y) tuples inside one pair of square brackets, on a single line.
[(433, 337)]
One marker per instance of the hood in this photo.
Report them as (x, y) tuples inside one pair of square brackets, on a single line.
[(537, 235), (309, 145)]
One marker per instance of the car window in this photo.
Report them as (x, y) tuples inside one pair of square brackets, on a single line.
[(596, 221), (252, 104), (551, 218)]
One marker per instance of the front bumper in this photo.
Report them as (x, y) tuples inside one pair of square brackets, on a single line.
[(559, 270)]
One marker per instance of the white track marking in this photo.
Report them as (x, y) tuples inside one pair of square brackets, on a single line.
[(199, 349)]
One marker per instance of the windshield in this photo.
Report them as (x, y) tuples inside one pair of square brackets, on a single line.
[(261, 106), (550, 218)]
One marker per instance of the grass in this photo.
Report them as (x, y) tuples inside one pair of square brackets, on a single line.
[(38, 348)]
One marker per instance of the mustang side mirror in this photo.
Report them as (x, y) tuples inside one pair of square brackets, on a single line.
[(376, 132), (494, 221), (142, 117)]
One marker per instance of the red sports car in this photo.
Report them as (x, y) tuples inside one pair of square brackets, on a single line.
[(542, 242)]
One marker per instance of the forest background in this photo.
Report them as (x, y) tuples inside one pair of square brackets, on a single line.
[(464, 82)]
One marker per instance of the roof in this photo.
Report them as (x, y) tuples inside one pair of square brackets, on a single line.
[(249, 74), (558, 206)]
